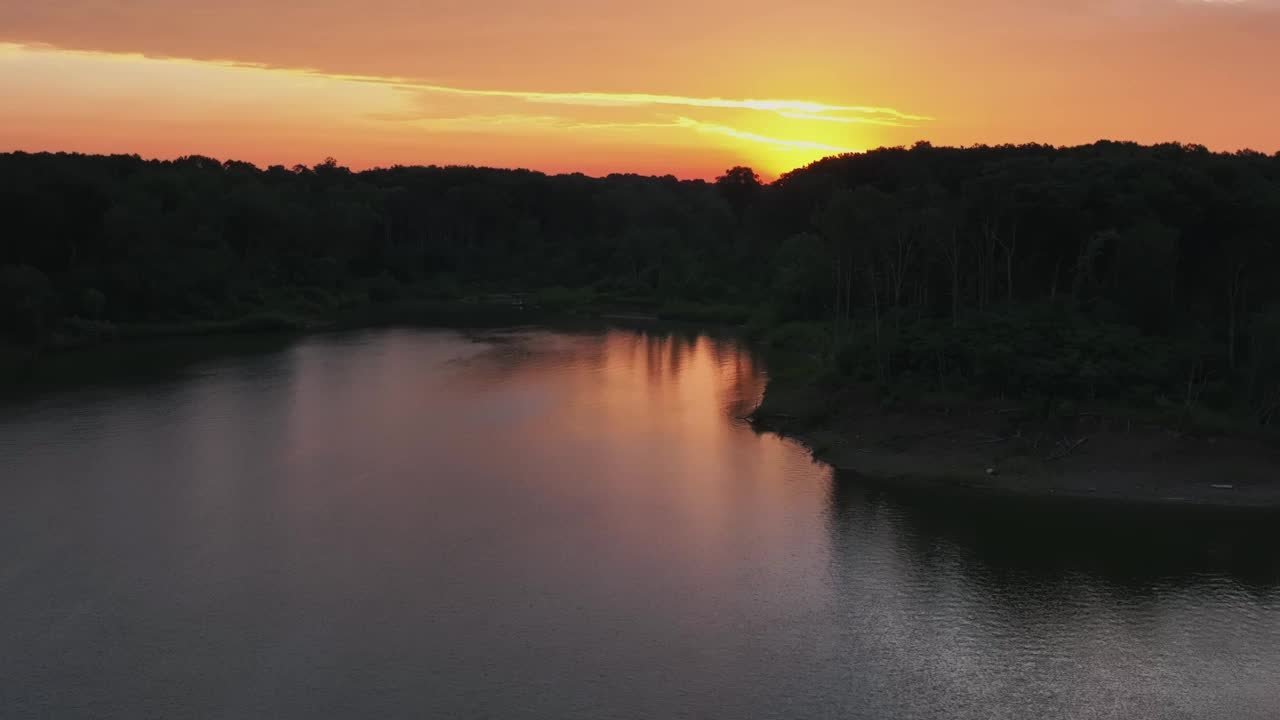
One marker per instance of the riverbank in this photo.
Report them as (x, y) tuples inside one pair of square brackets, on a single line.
[(1004, 449), (939, 446), (19, 360)]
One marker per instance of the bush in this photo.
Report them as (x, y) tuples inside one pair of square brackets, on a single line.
[(560, 298), (26, 300), (812, 338), (384, 288), (92, 303), (695, 312)]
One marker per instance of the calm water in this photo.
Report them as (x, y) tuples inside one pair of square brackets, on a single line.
[(535, 524)]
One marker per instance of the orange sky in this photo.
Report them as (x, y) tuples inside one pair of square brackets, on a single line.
[(687, 87)]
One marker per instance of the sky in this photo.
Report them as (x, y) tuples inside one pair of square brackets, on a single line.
[(683, 87)]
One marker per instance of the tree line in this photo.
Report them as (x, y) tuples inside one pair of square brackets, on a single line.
[(1112, 271)]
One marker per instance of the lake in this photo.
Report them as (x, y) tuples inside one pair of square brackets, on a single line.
[(534, 523)]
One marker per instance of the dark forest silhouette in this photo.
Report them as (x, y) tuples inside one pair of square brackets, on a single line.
[(1113, 271)]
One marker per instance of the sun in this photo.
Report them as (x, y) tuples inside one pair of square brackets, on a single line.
[(777, 144)]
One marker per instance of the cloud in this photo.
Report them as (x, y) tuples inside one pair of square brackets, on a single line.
[(845, 120), (402, 112), (789, 108), (482, 123), (794, 109), (763, 139), (599, 99), (508, 121)]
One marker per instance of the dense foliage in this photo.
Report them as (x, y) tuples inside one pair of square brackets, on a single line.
[(1110, 271)]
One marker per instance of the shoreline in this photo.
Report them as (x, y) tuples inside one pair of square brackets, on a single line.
[(79, 334), (18, 357), (968, 448), (33, 368), (993, 450)]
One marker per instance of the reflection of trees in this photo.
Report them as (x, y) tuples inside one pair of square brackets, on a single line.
[(1016, 609), (742, 379), (1018, 549), (661, 359), (529, 353)]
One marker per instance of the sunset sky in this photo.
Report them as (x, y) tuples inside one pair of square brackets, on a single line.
[(687, 87)]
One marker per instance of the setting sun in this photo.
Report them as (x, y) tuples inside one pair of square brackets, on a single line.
[(597, 88), (282, 115)]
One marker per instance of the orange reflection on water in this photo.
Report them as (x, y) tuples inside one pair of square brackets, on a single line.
[(605, 434)]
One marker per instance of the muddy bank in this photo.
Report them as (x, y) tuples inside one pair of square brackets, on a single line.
[(1005, 449)]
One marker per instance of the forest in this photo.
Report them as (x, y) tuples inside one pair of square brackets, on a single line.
[(1143, 276)]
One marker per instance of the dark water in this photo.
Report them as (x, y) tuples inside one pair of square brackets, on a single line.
[(527, 524)]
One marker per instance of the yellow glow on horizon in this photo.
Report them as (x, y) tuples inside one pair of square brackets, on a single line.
[(129, 102), (775, 155), (602, 87)]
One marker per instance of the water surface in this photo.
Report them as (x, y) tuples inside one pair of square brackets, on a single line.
[(548, 524)]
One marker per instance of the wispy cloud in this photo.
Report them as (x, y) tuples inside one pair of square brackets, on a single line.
[(429, 114), (780, 143), (791, 108), (488, 123), (788, 108), (650, 111), (845, 120), (601, 99), (474, 122)]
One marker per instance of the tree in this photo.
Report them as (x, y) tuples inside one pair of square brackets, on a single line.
[(740, 187), (838, 221), (1106, 270), (26, 300)]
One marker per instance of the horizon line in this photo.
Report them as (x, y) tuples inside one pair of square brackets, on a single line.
[(918, 145)]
